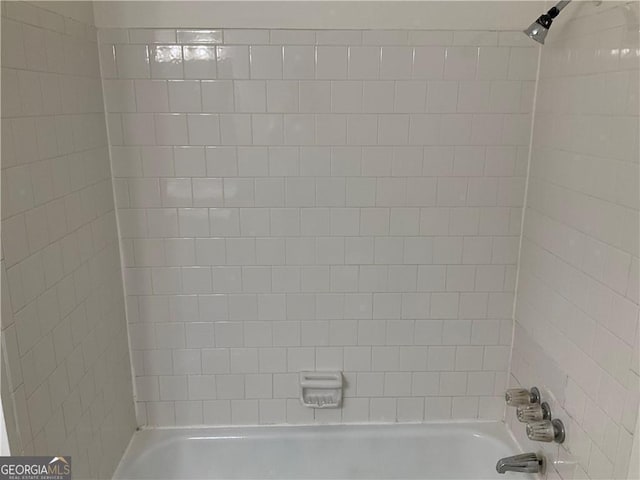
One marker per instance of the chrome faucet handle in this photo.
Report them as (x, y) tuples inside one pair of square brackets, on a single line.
[(525, 463), (534, 412), (521, 396), (546, 431)]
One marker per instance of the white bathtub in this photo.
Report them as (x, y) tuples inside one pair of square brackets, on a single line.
[(427, 451)]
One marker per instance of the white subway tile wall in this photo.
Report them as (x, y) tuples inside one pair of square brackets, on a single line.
[(577, 305), (293, 200), (66, 376)]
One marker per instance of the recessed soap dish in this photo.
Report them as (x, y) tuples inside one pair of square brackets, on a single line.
[(321, 389)]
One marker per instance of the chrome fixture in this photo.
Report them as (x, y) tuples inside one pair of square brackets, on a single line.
[(534, 412), (521, 396), (546, 431), (525, 463), (540, 426), (538, 30)]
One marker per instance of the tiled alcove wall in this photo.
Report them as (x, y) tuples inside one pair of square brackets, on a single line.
[(294, 200), (576, 332), (66, 377)]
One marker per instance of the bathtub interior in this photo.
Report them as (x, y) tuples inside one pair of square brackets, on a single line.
[(419, 451)]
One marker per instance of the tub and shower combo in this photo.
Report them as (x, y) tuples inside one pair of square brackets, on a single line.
[(321, 240), (437, 450)]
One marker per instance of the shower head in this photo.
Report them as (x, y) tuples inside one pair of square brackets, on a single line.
[(538, 30)]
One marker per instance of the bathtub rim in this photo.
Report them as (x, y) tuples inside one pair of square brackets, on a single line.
[(502, 433)]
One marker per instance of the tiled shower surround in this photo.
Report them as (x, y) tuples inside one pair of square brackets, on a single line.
[(66, 377), (576, 331), (296, 200)]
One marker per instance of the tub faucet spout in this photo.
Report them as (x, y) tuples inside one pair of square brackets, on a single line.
[(525, 462)]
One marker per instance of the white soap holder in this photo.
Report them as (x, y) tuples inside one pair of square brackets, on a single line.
[(321, 389)]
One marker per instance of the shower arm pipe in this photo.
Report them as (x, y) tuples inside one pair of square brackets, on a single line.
[(557, 8)]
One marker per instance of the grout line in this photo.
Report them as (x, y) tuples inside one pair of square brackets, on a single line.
[(524, 208), (120, 239)]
